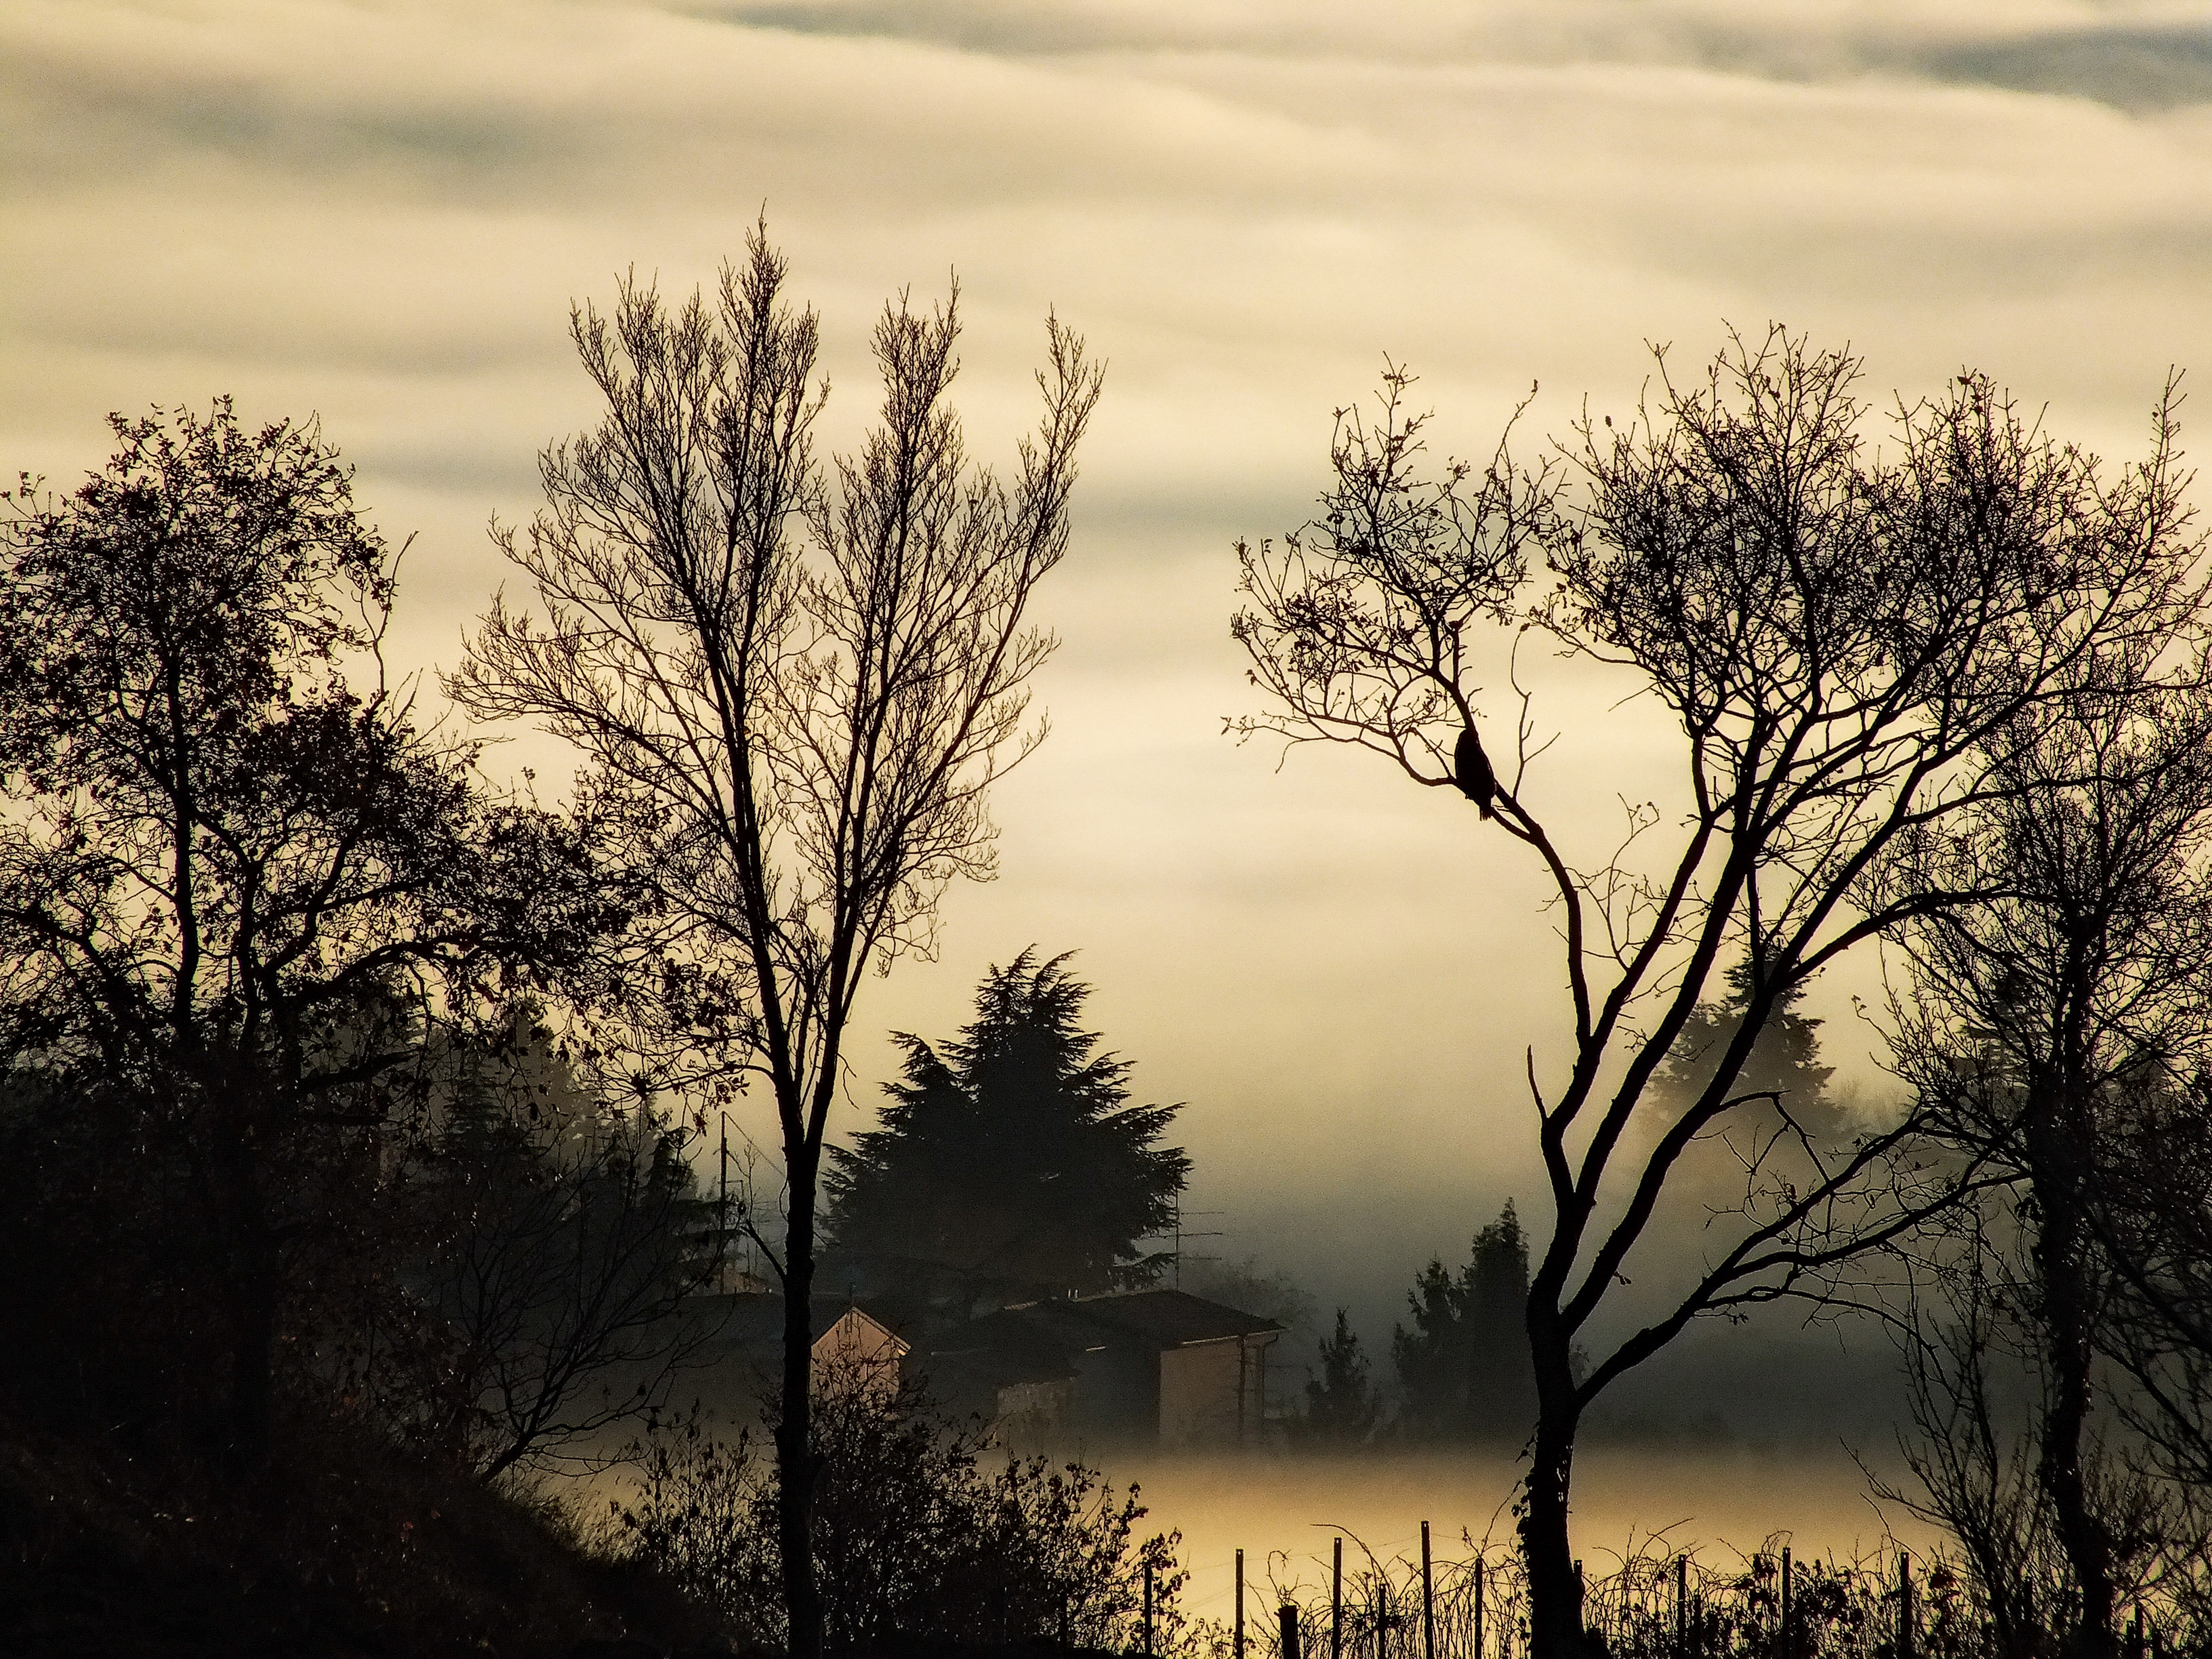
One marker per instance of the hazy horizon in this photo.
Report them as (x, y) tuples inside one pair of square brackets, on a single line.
[(381, 214)]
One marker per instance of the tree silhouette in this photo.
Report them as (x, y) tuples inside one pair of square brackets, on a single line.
[(2056, 1031), (558, 1241), (794, 693), (1839, 639), (234, 889), (1342, 1409), (1784, 1062), (1464, 1365), (1008, 1163)]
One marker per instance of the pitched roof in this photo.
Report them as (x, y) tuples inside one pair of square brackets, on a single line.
[(1005, 1346), (755, 1319), (1158, 1319)]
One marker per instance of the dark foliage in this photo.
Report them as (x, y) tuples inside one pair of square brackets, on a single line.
[(556, 1244), (234, 891), (1716, 1603), (1464, 1366), (921, 1531), (1342, 1410), (1785, 1062), (1009, 1164), (342, 1548)]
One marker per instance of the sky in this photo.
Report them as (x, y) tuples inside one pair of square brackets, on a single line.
[(382, 213)]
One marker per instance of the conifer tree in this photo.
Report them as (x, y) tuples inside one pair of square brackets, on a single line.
[(1342, 1410), (1464, 1365), (1008, 1163), (1784, 1060)]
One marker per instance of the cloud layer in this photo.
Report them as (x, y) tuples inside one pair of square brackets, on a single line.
[(383, 212)]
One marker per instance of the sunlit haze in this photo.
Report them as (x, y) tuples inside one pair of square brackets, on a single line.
[(382, 213)]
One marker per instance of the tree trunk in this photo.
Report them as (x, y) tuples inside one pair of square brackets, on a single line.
[(2059, 1149), (797, 1465), (1555, 1595)]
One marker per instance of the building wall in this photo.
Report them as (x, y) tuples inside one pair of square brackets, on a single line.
[(1117, 1392), (1200, 1387), (1211, 1394), (1036, 1416), (858, 1352)]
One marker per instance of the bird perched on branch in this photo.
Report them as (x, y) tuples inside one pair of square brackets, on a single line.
[(1471, 771)]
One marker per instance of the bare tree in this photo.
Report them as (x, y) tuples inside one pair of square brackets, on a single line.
[(794, 694), (1840, 639), (1975, 1471), (2041, 1021), (2154, 1222)]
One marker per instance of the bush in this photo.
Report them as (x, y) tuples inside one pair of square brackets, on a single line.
[(920, 1531)]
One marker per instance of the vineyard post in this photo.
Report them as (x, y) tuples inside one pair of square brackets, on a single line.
[(1336, 1604), (1428, 1600)]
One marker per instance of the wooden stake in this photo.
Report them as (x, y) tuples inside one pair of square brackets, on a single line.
[(1336, 1605), (1428, 1600)]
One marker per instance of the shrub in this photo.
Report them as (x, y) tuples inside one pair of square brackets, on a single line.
[(921, 1530)]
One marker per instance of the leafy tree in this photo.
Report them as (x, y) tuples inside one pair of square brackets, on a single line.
[(1009, 1164), (1342, 1409), (1842, 640), (1464, 1366), (794, 694), (233, 890)]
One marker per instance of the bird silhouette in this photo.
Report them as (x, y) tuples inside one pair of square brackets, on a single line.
[(1471, 771)]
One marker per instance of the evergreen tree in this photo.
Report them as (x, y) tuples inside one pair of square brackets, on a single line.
[(1008, 1164), (1785, 1060), (1464, 1366), (1342, 1409)]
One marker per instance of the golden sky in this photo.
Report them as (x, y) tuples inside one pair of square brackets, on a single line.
[(381, 212)]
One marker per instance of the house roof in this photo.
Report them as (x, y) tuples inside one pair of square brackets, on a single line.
[(754, 1321), (1172, 1318), (1150, 1319), (1005, 1346)]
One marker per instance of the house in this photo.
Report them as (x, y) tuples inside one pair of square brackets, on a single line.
[(1154, 1367), (1006, 1368), (853, 1344)]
